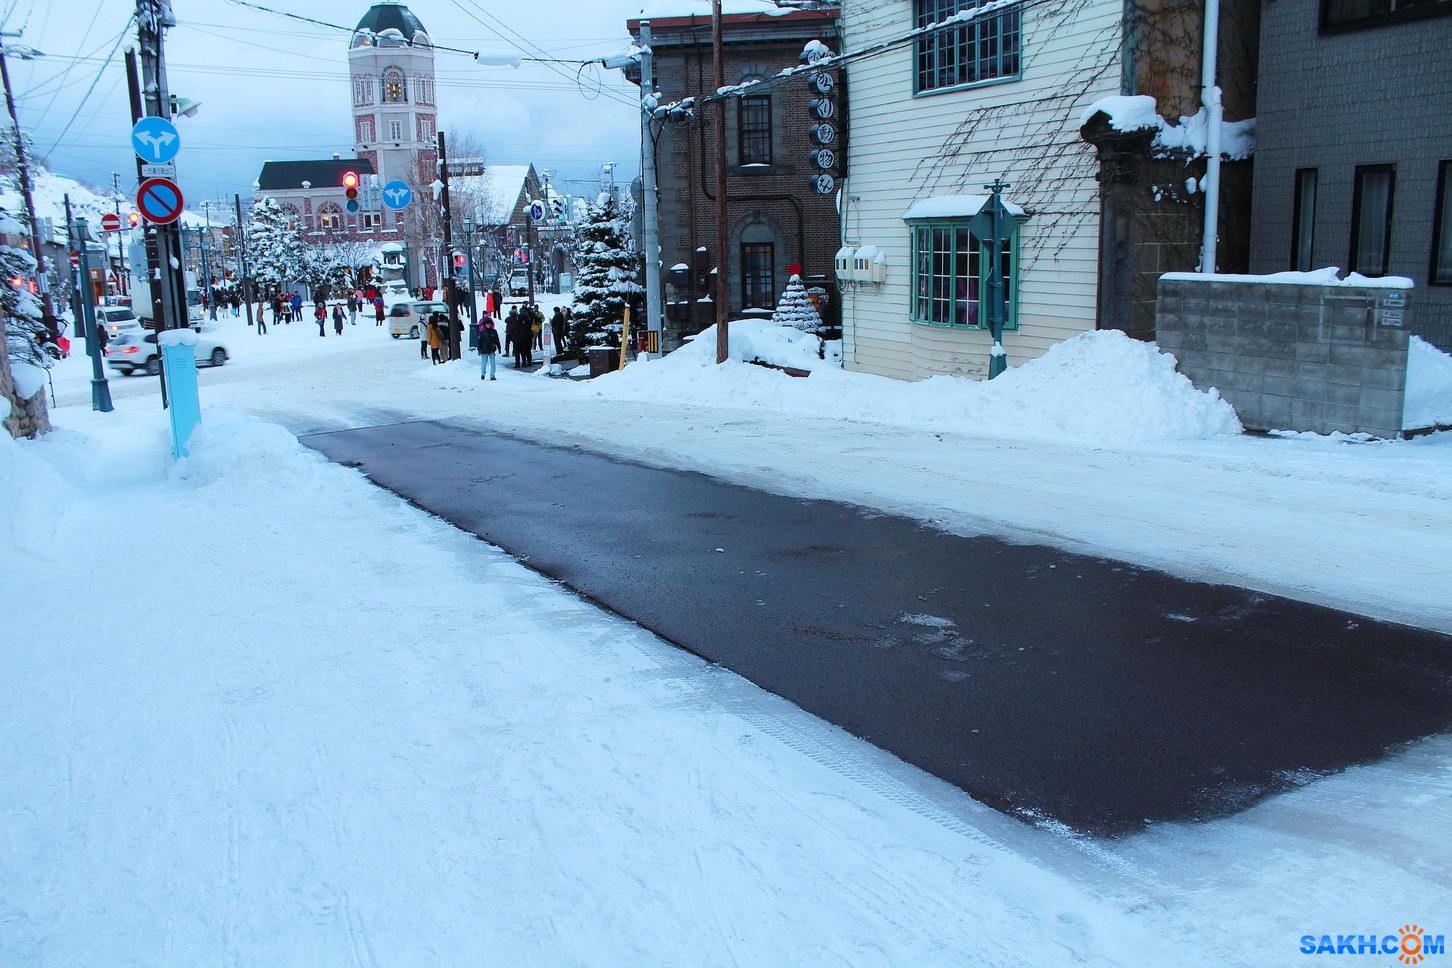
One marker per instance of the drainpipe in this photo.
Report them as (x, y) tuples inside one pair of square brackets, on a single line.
[(1210, 98)]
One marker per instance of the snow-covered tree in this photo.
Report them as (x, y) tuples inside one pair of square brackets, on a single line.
[(332, 268), (606, 280), (23, 334), (795, 308), (274, 246)]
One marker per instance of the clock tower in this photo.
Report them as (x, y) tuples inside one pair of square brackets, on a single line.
[(391, 60)]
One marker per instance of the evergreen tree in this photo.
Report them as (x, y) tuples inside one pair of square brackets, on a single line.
[(25, 332), (606, 282), (795, 309), (275, 246)]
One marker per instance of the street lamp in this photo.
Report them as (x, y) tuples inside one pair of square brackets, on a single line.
[(468, 226)]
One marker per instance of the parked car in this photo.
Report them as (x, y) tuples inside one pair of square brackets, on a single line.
[(411, 318), (519, 282), (133, 350)]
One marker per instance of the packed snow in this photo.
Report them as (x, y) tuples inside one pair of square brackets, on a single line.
[(261, 712), (1428, 401)]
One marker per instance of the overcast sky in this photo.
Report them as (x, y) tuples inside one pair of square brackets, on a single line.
[(273, 88)]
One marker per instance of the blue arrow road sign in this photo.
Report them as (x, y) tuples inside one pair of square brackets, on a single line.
[(155, 140), (397, 194)]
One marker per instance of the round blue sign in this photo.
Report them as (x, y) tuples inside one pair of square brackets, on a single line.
[(397, 194), (155, 140)]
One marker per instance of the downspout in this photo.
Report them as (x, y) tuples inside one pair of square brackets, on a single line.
[(1210, 98)]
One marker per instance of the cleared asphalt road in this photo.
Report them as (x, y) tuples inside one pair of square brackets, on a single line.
[(1046, 684)]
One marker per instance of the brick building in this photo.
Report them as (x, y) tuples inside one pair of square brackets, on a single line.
[(776, 217)]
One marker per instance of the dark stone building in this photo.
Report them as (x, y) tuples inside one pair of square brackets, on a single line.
[(1354, 162), (776, 217)]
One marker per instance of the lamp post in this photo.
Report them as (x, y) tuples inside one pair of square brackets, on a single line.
[(86, 316), (468, 226)]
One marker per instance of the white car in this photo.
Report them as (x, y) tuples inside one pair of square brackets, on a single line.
[(114, 317), (133, 350), (411, 318)]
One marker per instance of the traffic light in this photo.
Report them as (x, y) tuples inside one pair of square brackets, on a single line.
[(557, 205), (134, 218), (458, 261), (350, 189)]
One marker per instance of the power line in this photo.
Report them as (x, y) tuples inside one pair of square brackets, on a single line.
[(90, 90)]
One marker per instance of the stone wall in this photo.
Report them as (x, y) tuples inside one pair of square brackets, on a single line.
[(1302, 357)]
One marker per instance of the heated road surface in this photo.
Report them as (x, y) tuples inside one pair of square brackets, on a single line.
[(1050, 685)]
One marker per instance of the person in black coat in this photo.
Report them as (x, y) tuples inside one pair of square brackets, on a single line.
[(488, 348), (516, 333), (557, 330)]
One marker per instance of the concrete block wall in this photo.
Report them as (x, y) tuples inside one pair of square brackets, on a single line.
[(1290, 356)]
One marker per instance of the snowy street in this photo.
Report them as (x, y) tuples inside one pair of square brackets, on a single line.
[(259, 711)]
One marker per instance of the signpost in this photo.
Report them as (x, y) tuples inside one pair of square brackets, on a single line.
[(537, 210), (110, 222), (159, 201)]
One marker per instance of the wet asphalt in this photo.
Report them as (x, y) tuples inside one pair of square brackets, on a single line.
[(1052, 686)]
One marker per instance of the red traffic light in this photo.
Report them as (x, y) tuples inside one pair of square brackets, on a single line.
[(458, 260), (133, 218), (350, 179)]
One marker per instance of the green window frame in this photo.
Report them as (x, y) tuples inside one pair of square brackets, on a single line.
[(950, 276)]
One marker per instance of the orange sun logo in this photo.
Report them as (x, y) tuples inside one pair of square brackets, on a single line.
[(1411, 946)]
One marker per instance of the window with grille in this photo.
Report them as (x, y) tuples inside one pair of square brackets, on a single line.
[(395, 131), (983, 49), (1303, 220), (758, 289), (950, 276), (1371, 215), (1441, 274), (754, 131)]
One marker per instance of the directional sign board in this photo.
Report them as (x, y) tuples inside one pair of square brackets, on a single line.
[(111, 222), (537, 210), (397, 194), (159, 201), (155, 140)]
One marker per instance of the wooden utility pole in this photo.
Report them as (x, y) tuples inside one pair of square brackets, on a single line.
[(451, 295), (22, 170), (722, 294)]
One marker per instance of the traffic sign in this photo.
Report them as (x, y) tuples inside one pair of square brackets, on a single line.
[(155, 140), (397, 194), (75, 260), (110, 222), (159, 201), (537, 210), (159, 171)]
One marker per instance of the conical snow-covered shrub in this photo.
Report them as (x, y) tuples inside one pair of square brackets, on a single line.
[(795, 309)]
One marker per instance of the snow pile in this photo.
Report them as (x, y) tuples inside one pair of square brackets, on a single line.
[(1428, 402), (33, 497), (239, 452), (1097, 387), (1139, 112), (1329, 276)]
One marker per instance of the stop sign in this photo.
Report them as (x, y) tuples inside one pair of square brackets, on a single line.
[(111, 223)]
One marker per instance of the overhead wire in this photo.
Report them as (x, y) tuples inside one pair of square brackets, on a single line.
[(81, 43), (89, 91)]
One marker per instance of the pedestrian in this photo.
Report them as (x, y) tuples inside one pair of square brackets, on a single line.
[(297, 301), (103, 337), (320, 313), (511, 336), (488, 347), (378, 309), (498, 302), (236, 305), (338, 319), (557, 330), (353, 309), (536, 327), (436, 339)]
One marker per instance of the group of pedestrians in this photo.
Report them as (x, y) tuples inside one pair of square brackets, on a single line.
[(523, 334)]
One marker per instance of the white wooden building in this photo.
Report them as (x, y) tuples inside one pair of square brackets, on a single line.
[(934, 120)]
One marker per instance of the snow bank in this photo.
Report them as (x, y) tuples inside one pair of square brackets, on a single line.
[(1097, 387), (1428, 401), (1329, 276), (33, 498)]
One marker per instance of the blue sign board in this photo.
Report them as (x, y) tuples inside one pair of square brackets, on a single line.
[(155, 140), (397, 194)]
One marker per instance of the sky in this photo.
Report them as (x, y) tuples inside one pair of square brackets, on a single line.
[(274, 88), (434, 756)]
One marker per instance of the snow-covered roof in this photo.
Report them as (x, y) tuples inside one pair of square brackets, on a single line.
[(953, 206), (685, 8)]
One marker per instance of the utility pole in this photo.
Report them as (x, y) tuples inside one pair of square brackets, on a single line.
[(22, 169), (653, 315), (152, 18), (206, 246), (723, 338), (447, 262), (239, 242), (121, 287)]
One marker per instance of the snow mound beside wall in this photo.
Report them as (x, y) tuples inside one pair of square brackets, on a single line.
[(1097, 387), (1428, 402)]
